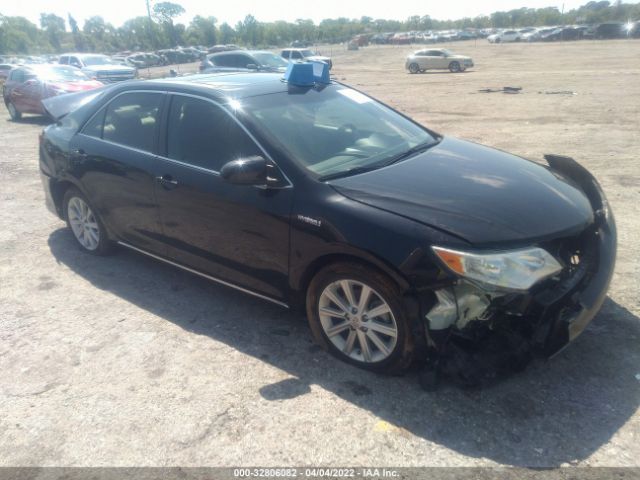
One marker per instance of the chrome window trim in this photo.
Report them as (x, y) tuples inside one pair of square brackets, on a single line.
[(204, 275)]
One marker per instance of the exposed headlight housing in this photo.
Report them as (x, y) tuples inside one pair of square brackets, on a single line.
[(513, 270)]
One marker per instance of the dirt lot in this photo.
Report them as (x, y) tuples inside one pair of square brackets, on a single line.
[(125, 361)]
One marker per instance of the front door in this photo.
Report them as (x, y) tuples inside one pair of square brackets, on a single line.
[(239, 234)]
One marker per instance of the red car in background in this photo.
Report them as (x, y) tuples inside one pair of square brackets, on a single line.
[(28, 85), (4, 71)]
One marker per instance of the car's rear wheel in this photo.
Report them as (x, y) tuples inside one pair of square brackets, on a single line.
[(13, 111), (84, 223), (356, 313), (414, 68), (454, 67)]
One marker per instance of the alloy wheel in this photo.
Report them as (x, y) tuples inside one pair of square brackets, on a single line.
[(83, 223), (358, 321)]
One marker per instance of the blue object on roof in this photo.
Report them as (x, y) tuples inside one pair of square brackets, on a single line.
[(307, 74), (321, 72)]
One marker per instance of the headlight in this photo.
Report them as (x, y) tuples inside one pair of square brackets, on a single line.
[(515, 270)]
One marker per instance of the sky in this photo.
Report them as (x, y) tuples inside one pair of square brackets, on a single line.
[(117, 12)]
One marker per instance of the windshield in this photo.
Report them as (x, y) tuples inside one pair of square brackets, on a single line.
[(271, 60), (334, 131), (60, 74), (97, 60)]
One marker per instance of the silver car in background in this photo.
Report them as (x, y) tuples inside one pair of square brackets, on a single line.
[(437, 59)]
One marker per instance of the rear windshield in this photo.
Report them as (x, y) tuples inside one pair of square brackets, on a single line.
[(97, 60), (60, 73)]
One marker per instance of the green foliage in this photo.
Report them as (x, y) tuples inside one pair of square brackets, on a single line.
[(157, 30)]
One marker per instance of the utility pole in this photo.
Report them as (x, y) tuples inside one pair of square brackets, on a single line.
[(151, 33)]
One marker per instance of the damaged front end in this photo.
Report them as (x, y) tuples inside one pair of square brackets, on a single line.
[(476, 331)]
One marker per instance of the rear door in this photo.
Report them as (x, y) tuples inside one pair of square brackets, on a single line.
[(239, 234), (114, 158)]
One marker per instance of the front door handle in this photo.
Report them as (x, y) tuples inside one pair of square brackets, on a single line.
[(78, 152), (167, 182)]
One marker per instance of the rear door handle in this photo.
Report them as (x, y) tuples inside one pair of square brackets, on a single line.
[(167, 182)]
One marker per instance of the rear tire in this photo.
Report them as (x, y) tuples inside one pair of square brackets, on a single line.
[(357, 314), (13, 112), (84, 223)]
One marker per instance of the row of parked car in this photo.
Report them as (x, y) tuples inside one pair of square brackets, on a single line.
[(260, 59), (530, 34), (567, 32), (26, 86)]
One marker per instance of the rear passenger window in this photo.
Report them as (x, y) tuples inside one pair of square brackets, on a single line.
[(93, 127), (131, 119), (17, 75), (204, 135)]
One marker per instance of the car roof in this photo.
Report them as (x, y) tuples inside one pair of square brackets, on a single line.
[(222, 84), (78, 54), (236, 52)]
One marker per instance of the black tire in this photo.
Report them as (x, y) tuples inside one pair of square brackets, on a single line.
[(104, 245), (401, 355), (414, 68), (14, 113), (454, 67)]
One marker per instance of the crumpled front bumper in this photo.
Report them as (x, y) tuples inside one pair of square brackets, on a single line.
[(570, 306), (550, 315)]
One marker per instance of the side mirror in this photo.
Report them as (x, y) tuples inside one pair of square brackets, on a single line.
[(246, 171), (252, 66)]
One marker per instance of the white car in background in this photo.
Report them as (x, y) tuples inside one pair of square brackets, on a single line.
[(504, 37)]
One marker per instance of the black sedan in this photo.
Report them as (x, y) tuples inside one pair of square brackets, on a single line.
[(398, 242)]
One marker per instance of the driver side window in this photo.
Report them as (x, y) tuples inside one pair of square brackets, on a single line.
[(73, 61), (204, 135)]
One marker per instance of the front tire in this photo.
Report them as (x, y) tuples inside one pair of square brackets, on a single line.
[(84, 223), (357, 314), (414, 68), (454, 67), (13, 112)]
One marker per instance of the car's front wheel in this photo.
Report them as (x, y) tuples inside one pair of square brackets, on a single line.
[(414, 68), (454, 67), (356, 312), (84, 223), (14, 113)]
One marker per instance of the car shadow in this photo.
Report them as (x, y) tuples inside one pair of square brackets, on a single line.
[(443, 72), (33, 120), (558, 411)]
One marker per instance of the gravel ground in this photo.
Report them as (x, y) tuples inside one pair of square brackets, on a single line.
[(123, 361)]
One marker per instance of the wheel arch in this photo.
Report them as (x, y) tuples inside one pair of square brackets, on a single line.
[(301, 281), (58, 189)]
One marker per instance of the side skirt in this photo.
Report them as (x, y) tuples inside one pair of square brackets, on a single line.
[(204, 275)]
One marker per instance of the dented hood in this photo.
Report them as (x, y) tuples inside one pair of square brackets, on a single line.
[(484, 196)]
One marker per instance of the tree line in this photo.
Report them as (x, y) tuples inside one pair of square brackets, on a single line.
[(158, 30)]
